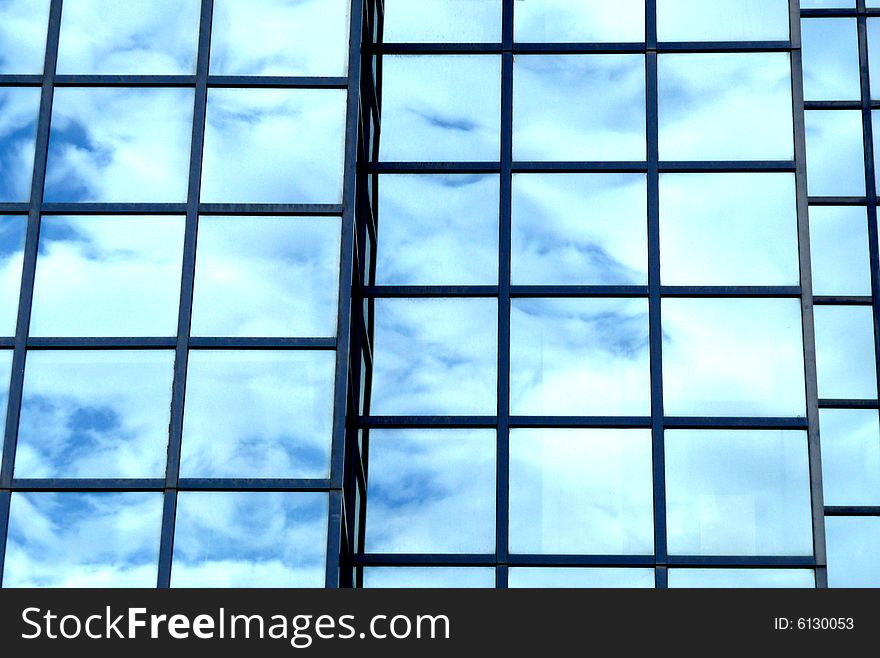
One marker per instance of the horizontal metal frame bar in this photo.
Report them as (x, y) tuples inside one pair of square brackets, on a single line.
[(585, 48), (747, 292), (207, 209), (549, 422), (830, 12), (109, 485), (848, 404), (855, 510), (180, 81), (631, 167), (842, 300), (160, 343), (586, 561)]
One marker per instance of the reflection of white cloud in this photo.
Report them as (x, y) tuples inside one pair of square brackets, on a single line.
[(18, 121), (845, 352), (23, 28), (835, 153), (433, 577), (742, 578), (442, 21), (850, 456), (722, 20), (559, 21), (564, 577), (12, 232)]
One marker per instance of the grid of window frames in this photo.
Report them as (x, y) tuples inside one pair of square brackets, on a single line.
[(841, 52), (588, 317), (176, 215)]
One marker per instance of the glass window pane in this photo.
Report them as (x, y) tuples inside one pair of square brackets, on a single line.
[(579, 229), (554, 117), (19, 107), (23, 28), (738, 493), (287, 146), (441, 108), (156, 37), (564, 577), (108, 276), (431, 577), (438, 230), (90, 413), (722, 20), (850, 456), (83, 540), (839, 248), (280, 37), (729, 230), (12, 234), (579, 357), (119, 145), (267, 276), (742, 578), (733, 357), (728, 106), (853, 547), (431, 491), (5, 374), (835, 153), (435, 357), (831, 59), (250, 540), (845, 352), (563, 21), (874, 56), (442, 21), (258, 413), (581, 492)]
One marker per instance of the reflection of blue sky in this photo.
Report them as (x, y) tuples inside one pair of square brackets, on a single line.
[(258, 414), (435, 357), (727, 106), (250, 540), (841, 258), (579, 357), (555, 118), (442, 21), (561, 21), (722, 20), (119, 145), (267, 276), (564, 577), (12, 232), (874, 55), (287, 146), (831, 59), (156, 37), (853, 546), (733, 357), (742, 578), (438, 230), (738, 493), (5, 372), (845, 352), (835, 153), (23, 28), (18, 122), (108, 276), (94, 414), (431, 491), (579, 229), (433, 577), (850, 456), (83, 540)]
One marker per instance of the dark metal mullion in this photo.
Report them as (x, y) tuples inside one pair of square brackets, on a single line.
[(172, 469), (26, 294)]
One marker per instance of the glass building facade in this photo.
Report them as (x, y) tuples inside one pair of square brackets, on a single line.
[(474, 293)]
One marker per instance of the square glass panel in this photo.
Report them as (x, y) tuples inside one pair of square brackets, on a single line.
[(850, 456), (441, 108), (839, 249), (581, 492), (722, 20), (431, 491), (267, 276), (725, 106), (442, 21), (287, 146), (83, 540), (19, 107), (583, 21), (435, 357), (438, 230), (831, 59), (579, 229), (431, 577), (119, 145), (835, 153), (845, 352), (579, 357), (258, 413), (569, 577), (733, 357), (24, 25), (853, 550), (744, 492), (555, 116), (95, 414), (108, 276), (729, 230), (250, 539), (742, 578), (144, 37), (12, 235)]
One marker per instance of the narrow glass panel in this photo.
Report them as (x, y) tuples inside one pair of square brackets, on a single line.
[(431, 491), (5, 373), (850, 456), (839, 249), (438, 230), (555, 116), (267, 276), (152, 37), (258, 413), (12, 234), (874, 55), (728, 106), (835, 153), (733, 357), (280, 37), (119, 145), (853, 550), (831, 59), (579, 229), (89, 413), (83, 540), (845, 352), (564, 577), (432, 577), (722, 20), (729, 230), (584, 21), (442, 21), (441, 108), (579, 357), (108, 276), (581, 492), (742, 578), (19, 107), (435, 357), (741, 492), (23, 28)]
